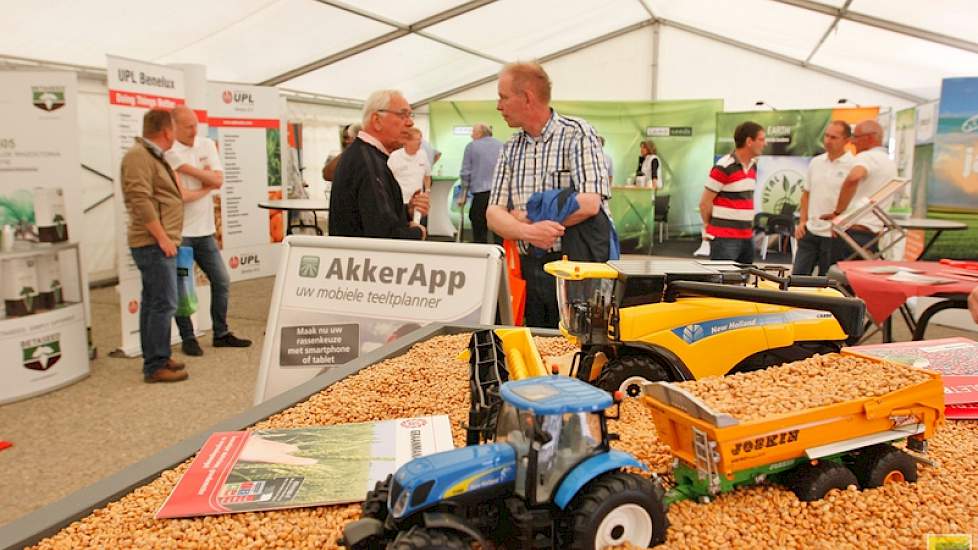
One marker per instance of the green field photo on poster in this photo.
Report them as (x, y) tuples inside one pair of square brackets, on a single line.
[(683, 132)]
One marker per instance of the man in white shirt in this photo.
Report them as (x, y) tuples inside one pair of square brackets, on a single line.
[(873, 169), (826, 172), (410, 167), (199, 169)]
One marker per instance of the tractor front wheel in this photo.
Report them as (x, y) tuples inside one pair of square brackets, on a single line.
[(614, 509), (628, 373), (375, 505), (418, 538)]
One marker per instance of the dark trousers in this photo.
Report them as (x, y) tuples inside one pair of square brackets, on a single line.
[(158, 304), (541, 292), (738, 250), (813, 250), (841, 250), (477, 215), (208, 257)]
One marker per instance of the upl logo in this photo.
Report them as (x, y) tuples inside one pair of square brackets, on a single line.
[(243, 261), (230, 97)]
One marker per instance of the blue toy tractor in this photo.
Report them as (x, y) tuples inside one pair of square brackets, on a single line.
[(549, 481)]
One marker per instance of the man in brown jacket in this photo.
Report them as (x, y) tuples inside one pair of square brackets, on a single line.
[(155, 207)]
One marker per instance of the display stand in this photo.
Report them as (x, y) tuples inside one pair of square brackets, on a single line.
[(892, 231), (47, 347)]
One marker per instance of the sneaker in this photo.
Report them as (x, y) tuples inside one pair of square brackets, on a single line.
[(166, 375), (229, 340), (191, 347)]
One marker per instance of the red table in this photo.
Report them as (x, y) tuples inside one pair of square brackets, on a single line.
[(883, 296)]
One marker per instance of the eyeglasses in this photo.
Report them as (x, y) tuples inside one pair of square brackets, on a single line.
[(857, 136), (402, 114)]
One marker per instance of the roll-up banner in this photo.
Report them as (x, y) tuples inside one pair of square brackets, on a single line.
[(134, 88), (245, 121), (45, 311), (336, 298)]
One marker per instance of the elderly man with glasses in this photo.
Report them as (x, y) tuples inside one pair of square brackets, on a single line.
[(366, 200)]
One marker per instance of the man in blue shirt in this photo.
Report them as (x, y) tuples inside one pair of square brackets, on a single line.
[(478, 165)]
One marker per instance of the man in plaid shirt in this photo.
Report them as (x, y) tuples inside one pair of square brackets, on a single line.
[(549, 152)]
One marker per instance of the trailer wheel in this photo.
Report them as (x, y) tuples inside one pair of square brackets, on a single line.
[(418, 538), (628, 373), (614, 509), (375, 505), (814, 482), (882, 464)]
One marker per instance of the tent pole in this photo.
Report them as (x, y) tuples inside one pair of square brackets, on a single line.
[(655, 61)]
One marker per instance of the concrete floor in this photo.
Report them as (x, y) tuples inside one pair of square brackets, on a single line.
[(73, 437)]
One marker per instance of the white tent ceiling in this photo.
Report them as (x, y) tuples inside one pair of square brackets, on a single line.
[(432, 48)]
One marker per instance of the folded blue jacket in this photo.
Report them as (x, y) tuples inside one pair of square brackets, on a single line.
[(593, 240)]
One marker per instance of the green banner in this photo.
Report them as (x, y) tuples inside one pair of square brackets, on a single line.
[(796, 133), (683, 131)]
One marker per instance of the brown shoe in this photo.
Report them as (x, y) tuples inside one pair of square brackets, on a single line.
[(164, 374), (174, 365)]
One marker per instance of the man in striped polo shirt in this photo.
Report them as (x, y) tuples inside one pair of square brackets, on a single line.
[(727, 205), (549, 152)]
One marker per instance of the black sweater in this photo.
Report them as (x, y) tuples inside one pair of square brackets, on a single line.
[(366, 201)]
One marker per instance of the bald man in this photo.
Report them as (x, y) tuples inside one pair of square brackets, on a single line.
[(198, 168), (871, 171)]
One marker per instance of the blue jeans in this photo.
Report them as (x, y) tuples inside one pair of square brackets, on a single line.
[(738, 250), (159, 303), (208, 257)]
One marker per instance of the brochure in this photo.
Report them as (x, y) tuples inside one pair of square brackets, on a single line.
[(274, 469)]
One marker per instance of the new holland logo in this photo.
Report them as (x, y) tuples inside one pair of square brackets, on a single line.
[(309, 267), (48, 98), (692, 333), (41, 353)]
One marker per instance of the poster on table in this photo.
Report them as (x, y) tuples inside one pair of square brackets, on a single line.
[(43, 318), (336, 298), (793, 138), (245, 121), (682, 131), (134, 88), (293, 468)]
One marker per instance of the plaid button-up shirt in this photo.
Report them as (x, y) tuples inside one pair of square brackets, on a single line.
[(567, 153)]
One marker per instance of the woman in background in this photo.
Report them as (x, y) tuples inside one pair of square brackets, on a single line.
[(650, 165)]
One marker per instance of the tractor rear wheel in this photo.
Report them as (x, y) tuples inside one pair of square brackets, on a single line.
[(884, 463), (613, 509), (812, 482), (375, 505), (628, 373), (418, 538)]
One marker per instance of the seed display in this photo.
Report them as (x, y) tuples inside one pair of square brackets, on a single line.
[(428, 379), (814, 382)]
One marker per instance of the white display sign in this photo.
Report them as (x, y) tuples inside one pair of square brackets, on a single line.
[(926, 122), (134, 88), (338, 297), (245, 122)]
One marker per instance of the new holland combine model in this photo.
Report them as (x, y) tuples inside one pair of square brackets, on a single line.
[(639, 321)]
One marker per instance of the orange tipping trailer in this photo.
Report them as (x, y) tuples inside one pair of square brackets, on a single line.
[(810, 451)]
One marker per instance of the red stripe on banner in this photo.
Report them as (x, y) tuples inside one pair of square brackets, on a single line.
[(244, 122), (201, 115), (144, 101)]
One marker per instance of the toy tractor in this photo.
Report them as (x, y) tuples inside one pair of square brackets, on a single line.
[(638, 321), (549, 481)]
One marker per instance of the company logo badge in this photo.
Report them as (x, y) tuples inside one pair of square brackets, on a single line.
[(970, 126), (48, 98), (309, 266), (782, 188), (692, 333), (413, 423), (41, 353), (234, 262), (133, 306), (227, 97), (244, 260), (230, 97)]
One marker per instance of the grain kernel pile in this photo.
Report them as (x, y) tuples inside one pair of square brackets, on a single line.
[(428, 380), (813, 382)]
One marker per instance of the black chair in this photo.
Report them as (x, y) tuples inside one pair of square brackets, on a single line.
[(661, 216), (782, 227)]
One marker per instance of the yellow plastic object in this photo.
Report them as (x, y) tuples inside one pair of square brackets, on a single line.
[(783, 437), (577, 271), (522, 357)]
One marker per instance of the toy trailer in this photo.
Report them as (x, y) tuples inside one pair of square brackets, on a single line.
[(811, 451)]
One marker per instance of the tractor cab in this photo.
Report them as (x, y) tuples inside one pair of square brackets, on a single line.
[(553, 424)]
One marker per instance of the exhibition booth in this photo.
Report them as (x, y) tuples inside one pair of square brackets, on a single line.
[(401, 403)]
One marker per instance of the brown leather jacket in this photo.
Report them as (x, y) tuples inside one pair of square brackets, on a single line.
[(149, 188)]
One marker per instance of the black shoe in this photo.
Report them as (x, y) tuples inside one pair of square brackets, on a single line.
[(191, 347), (229, 340)]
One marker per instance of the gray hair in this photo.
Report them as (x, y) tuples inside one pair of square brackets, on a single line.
[(378, 101), (484, 128)]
